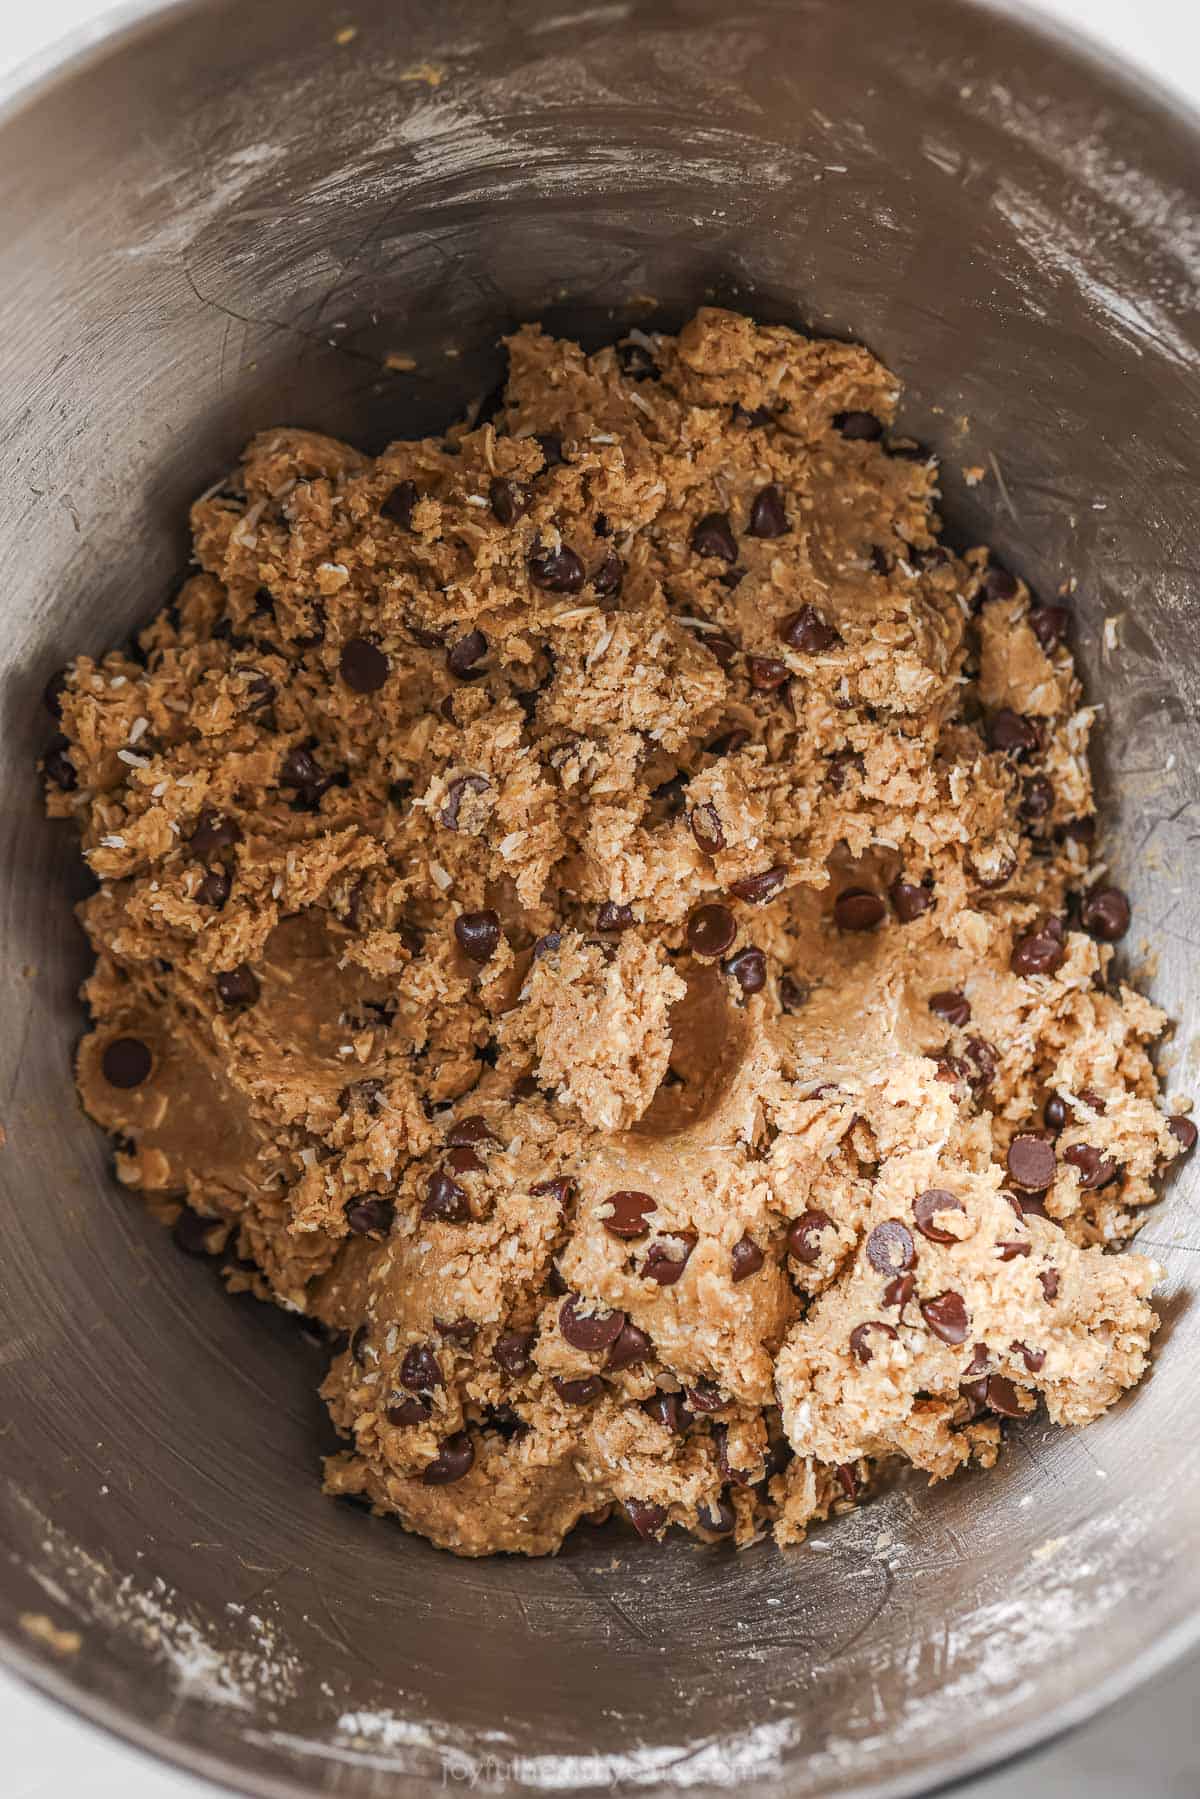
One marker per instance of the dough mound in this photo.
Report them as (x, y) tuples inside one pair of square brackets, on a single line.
[(596, 911)]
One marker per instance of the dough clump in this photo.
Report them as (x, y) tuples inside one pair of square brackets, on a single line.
[(595, 910)]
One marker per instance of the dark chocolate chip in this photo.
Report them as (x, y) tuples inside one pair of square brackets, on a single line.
[(478, 934), (300, 768), (647, 1519), (860, 1337), (749, 969), (214, 831), (706, 828), (237, 986), (1014, 735), (455, 1458), (627, 1213), (858, 909), (551, 446), (444, 1202), (998, 584), (1010, 1251), (768, 516), (927, 1206), (1049, 1284), (215, 888), (1056, 1112), (1037, 799), (1184, 1132), (557, 571), (420, 1371), (804, 1236), (455, 793), (909, 899), (861, 427), (947, 1317), (363, 666), (668, 1410), (1049, 624), (890, 1247), (578, 1392), (1105, 914), (466, 1131), (59, 767), (899, 1291), (126, 1062), (631, 1348), (719, 1518), (1041, 951), (608, 577), (745, 1259), (193, 1233), (757, 889), (1095, 1169), (710, 930), (793, 994), (713, 536), (463, 655), (585, 1328), (1001, 1396), (953, 1007), (1034, 1359), (611, 917), (510, 500), (461, 1331), (808, 632), (664, 1262), (370, 1215), (982, 1059), (513, 1351), (405, 1409), (767, 672), (847, 1475), (1031, 1162), (559, 1189), (399, 504)]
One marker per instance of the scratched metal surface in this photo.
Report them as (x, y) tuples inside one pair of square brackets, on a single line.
[(221, 220)]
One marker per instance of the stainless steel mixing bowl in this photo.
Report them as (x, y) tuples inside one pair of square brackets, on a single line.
[(221, 216)]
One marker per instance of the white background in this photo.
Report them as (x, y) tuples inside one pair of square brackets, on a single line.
[(1149, 1748)]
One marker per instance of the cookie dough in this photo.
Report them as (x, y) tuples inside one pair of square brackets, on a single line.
[(598, 911)]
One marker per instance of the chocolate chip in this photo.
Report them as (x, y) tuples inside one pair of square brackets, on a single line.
[(237, 986), (214, 831), (614, 918), (711, 930), (982, 1059), (713, 536), (858, 909), (578, 1392), (59, 767), (193, 1233), (665, 1263), (420, 1370), (510, 500), (455, 793), (478, 934), (860, 427), (627, 1213), (608, 577), (444, 1202), (1003, 1397), (461, 1331), (926, 1207), (1014, 735), (768, 517), (1031, 1162), (721, 648), (462, 656), (719, 1518), (804, 1236), (300, 768), (909, 899), (455, 1458), (899, 1291), (1105, 914), (1037, 799), (998, 584), (706, 828), (551, 446), (370, 1215), (399, 504), (215, 888), (1056, 1112), (745, 1259), (1049, 1284), (1050, 625), (1041, 951), (466, 1131), (767, 672), (363, 666), (513, 1351), (1034, 1359), (860, 1337), (585, 1328), (1078, 830), (1010, 1251), (632, 1347), (953, 1007), (403, 1411), (558, 571), (126, 1062), (753, 418), (793, 994), (636, 362), (1184, 1132), (463, 1160), (1095, 1169), (757, 889), (749, 969), (947, 1317), (847, 1475), (260, 689), (668, 1410), (647, 1519), (808, 632), (890, 1247)]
